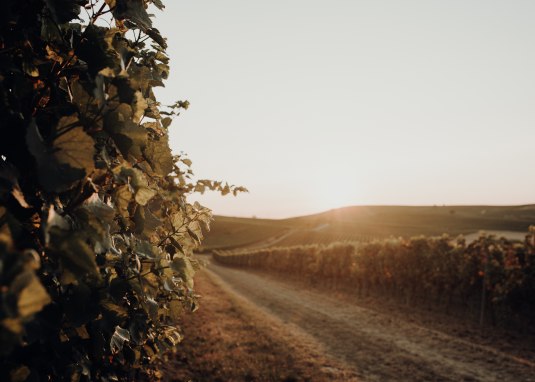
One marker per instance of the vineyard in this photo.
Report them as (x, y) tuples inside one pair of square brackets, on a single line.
[(322, 238), (490, 279)]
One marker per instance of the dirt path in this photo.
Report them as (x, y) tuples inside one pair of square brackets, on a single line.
[(372, 345), (230, 340)]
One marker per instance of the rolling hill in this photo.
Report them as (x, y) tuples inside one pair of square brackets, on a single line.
[(364, 223)]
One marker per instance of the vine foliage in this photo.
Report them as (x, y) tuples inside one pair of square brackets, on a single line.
[(96, 234)]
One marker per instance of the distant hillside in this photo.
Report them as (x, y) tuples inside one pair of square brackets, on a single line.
[(370, 222)]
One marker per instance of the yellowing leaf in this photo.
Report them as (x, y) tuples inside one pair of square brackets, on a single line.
[(140, 104), (74, 147), (20, 374), (158, 154), (33, 298), (31, 295), (177, 220), (30, 69), (122, 198), (107, 72), (53, 55), (19, 196), (143, 195), (194, 229)]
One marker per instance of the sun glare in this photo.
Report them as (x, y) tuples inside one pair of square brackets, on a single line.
[(338, 193)]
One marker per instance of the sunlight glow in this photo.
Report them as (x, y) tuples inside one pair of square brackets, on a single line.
[(355, 102)]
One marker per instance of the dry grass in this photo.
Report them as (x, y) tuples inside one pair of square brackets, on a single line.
[(225, 340)]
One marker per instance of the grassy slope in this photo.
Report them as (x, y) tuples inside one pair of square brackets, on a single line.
[(365, 222), (229, 232)]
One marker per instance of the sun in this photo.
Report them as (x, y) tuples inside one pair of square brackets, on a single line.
[(337, 193)]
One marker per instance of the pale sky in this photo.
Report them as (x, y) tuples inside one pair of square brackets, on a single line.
[(315, 105)]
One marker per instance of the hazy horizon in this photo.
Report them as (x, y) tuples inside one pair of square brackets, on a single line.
[(380, 205), (317, 105)]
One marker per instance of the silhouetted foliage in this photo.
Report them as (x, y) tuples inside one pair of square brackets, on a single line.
[(96, 234)]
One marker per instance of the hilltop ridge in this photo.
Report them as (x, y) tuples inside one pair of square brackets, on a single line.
[(354, 223)]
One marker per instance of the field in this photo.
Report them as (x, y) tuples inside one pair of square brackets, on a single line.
[(365, 223), (367, 293), (258, 326)]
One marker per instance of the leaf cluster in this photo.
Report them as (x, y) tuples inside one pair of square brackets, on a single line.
[(96, 233)]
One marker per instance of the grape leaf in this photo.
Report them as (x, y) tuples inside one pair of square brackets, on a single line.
[(182, 266), (133, 11), (122, 198), (158, 154), (129, 137), (32, 296), (67, 159), (64, 11), (143, 195), (119, 337), (76, 255), (156, 36)]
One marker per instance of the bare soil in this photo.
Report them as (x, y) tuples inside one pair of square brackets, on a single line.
[(254, 327)]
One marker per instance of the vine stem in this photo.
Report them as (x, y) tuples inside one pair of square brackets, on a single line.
[(146, 273), (98, 14)]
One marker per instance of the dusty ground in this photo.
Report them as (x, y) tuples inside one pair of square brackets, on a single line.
[(228, 339), (258, 328)]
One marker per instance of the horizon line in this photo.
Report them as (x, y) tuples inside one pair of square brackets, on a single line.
[(253, 216)]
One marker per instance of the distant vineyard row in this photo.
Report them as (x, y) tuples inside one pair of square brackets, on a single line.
[(323, 238), (490, 278)]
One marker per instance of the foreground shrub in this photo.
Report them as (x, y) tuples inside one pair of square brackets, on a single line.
[(96, 234)]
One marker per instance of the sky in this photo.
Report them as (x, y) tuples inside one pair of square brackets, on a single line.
[(314, 105)]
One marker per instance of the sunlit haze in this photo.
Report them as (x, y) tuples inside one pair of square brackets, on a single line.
[(314, 105)]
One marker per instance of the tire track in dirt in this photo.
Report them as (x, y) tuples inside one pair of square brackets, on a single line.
[(380, 347)]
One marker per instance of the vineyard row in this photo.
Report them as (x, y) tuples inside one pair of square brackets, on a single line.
[(489, 279)]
